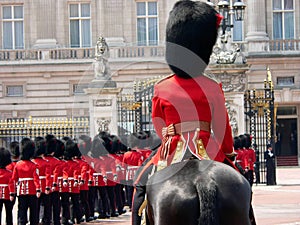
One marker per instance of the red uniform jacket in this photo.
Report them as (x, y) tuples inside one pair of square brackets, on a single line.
[(51, 172), (132, 160), (178, 100), (97, 174), (26, 175), (58, 176), (5, 176), (42, 166), (84, 173), (90, 161), (240, 158), (119, 168), (71, 173), (251, 158), (11, 166), (107, 167)]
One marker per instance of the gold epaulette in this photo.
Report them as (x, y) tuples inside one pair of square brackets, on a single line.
[(164, 78), (211, 76)]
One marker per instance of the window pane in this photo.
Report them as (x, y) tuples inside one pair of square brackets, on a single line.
[(18, 13), (74, 10), (277, 25), (152, 8), (19, 35), (141, 28), (289, 25), (74, 33), (14, 90), (277, 4), (141, 8), (152, 31), (238, 31), (7, 35), (85, 10), (288, 4), (86, 33), (7, 14)]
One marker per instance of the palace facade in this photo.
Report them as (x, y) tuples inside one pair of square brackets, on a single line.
[(47, 57)]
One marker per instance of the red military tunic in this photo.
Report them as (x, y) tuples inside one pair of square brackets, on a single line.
[(26, 175), (84, 173), (177, 100), (5, 176), (71, 173), (132, 160), (42, 166), (119, 166), (251, 158), (107, 167), (90, 161), (51, 172)]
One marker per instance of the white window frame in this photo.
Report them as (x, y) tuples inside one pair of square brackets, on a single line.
[(13, 21), (80, 18), (147, 17), (282, 11), (14, 95)]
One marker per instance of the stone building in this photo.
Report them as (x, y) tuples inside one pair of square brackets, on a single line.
[(47, 57)]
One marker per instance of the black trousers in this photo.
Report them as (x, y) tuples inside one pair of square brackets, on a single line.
[(119, 198), (140, 191), (92, 198), (84, 202), (76, 208), (103, 204), (55, 207), (111, 199), (8, 209), (26, 202), (65, 206), (45, 201)]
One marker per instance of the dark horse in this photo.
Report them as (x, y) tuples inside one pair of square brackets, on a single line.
[(195, 192)]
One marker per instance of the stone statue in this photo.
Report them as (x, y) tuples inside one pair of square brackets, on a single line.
[(101, 67)]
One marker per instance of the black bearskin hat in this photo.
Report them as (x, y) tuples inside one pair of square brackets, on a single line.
[(50, 144), (40, 147), (71, 149), (5, 157), (236, 143), (138, 139), (247, 140), (243, 140), (191, 33), (27, 149), (98, 148), (15, 149), (60, 149), (84, 144)]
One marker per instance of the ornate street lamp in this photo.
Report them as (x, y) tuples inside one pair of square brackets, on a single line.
[(226, 8)]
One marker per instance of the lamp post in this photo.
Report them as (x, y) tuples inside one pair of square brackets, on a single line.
[(226, 8)]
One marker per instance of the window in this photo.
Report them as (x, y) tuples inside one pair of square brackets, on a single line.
[(147, 23), (80, 25), (237, 33), (283, 19), (13, 20), (78, 88), (285, 81), (14, 90)]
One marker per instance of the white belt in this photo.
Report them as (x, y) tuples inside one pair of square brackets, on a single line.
[(70, 178), (3, 185), (42, 177), (25, 179), (97, 174), (109, 172), (132, 167)]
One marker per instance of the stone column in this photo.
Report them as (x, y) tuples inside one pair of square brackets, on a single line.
[(103, 108), (256, 23)]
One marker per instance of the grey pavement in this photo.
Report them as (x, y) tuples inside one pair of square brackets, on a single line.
[(273, 205)]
